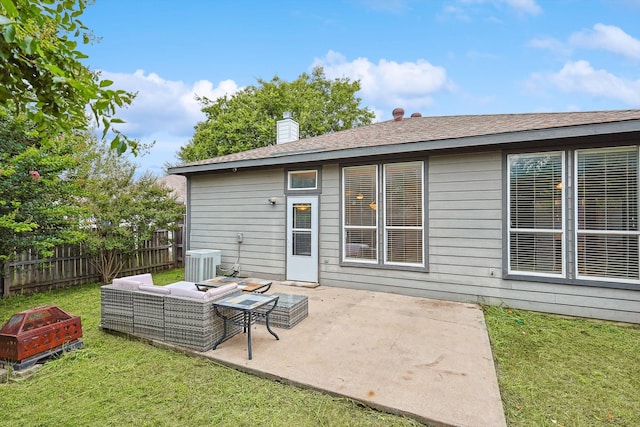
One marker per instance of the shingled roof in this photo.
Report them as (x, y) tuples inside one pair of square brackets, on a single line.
[(426, 133), (178, 186)]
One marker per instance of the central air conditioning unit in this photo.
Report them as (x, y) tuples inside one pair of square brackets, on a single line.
[(201, 264)]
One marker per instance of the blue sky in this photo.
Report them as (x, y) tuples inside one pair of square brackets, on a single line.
[(437, 57)]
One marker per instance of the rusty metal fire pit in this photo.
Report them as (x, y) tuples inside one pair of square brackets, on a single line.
[(38, 333)]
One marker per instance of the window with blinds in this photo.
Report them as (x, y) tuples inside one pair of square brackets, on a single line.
[(397, 218), (403, 205), (607, 213), (536, 216), (360, 220), (602, 195)]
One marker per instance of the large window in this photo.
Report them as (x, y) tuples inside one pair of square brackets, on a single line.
[(360, 213), (403, 213), (607, 213), (536, 219), (386, 203), (580, 225)]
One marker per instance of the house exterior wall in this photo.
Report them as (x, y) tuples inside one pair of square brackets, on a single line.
[(465, 247), (464, 242), (225, 204)]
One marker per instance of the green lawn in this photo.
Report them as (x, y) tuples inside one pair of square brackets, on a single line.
[(552, 371), (114, 381), (559, 371)]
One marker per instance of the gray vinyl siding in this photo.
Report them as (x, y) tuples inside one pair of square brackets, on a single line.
[(329, 239), (465, 239), (464, 197), (224, 204), (465, 249)]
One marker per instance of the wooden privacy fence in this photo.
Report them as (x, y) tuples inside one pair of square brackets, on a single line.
[(71, 266)]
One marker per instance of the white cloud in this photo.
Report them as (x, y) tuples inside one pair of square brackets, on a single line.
[(579, 77), (164, 111), (164, 105), (389, 84), (608, 37)]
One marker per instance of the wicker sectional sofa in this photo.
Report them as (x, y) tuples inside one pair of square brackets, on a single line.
[(177, 313)]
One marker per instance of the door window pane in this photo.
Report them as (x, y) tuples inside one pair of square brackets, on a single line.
[(301, 215), (302, 243), (301, 232)]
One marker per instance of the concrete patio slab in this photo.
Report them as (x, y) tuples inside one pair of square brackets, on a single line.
[(426, 359)]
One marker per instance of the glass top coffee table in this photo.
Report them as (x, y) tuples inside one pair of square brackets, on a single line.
[(244, 310)]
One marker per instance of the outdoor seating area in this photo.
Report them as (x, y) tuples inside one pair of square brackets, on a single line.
[(182, 313), (428, 359)]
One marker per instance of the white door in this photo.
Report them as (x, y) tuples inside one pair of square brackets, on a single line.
[(302, 239)]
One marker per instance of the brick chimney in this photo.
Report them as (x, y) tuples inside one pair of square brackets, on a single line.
[(288, 129), (398, 114)]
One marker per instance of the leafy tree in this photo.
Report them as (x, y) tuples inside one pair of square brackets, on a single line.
[(77, 190), (248, 119), (41, 74), (38, 202), (124, 211)]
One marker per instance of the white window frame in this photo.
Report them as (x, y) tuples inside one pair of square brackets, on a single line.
[(346, 227), (578, 231), (380, 227), (386, 228), (562, 230), (571, 233)]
